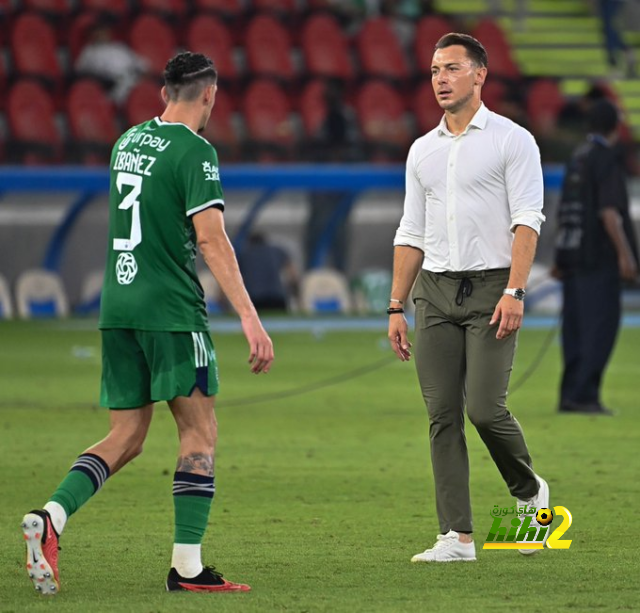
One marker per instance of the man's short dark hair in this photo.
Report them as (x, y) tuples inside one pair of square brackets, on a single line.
[(476, 52), (187, 74), (603, 117)]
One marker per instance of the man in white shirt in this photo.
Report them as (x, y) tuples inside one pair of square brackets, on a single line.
[(467, 239)]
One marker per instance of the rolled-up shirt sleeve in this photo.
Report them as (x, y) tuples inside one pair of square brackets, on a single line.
[(410, 232), (523, 175)]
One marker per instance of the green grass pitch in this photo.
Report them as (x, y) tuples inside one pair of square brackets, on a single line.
[(322, 498)]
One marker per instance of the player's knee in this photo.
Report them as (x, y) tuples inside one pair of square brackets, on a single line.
[(482, 420)]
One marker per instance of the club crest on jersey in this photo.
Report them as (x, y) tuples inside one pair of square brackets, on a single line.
[(126, 268), (211, 172)]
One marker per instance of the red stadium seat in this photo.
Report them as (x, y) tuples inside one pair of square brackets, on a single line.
[(313, 107), (493, 94), (144, 103), (113, 7), (53, 7), (381, 113), (267, 115), (92, 121), (325, 48), (228, 8), (281, 6), (31, 119), (3, 82), (152, 38), (426, 108), (79, 32), (380, 51), (268, 48), (220, 130), (544, 102), (172, 8), (498, 49), (207, 34), (33, 45), (429, 31)]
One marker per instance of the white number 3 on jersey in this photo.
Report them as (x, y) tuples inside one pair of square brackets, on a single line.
[(130, 200)]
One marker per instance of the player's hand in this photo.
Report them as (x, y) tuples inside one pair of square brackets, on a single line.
[(260, 345), (628, 268), (398, 336), (509, 313)]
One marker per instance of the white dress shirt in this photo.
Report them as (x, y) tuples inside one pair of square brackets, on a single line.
[(466, 194)]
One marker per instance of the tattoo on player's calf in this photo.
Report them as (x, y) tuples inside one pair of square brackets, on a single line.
[(195, 461)]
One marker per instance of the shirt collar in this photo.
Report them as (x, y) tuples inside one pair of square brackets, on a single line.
[(479, 120)]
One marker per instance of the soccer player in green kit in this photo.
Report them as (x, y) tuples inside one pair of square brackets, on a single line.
[(165, 198)]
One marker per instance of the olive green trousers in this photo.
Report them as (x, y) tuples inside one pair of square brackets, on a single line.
[(461, 363)]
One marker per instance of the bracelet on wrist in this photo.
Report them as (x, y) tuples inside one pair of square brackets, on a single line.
[(396, 300), (393, 310)]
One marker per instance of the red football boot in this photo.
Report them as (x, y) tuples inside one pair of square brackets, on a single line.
[(42, 552)]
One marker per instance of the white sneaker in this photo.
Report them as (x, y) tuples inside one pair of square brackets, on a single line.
[(448, 548), (539, 501)]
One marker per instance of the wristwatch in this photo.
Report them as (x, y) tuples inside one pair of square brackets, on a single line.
[(517, 292)]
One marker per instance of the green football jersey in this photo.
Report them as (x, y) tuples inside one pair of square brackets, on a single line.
[(161, 175)]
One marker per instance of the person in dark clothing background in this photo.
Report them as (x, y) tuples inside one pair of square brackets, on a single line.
[(595, 252), (269, 274), (329, 210)]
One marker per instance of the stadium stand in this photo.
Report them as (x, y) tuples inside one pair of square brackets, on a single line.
[(297, 42), (34, 136), (40, 294), (92, 122), (383, 122), (380, 51), (428, 31), (268, 48), (143, 103), (267, 116), (119, 8), (33, 48), (153, 39), (208, 34), (325, 48), (221, 128)]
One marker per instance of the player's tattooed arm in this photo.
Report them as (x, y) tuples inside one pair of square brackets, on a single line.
[(195, 462)]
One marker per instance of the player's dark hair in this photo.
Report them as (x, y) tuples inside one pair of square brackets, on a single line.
[(476, 52), (187, 74), (603, 117)]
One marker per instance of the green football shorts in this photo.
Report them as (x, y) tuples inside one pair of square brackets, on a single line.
[(140, 367)]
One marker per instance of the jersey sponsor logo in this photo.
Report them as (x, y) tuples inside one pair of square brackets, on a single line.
[(138, 163), (144, 138), (126, 268), (211, 172)]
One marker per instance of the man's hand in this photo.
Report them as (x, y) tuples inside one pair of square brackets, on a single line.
[(509, 313), (398, 336), (260, 345), (628, 268)]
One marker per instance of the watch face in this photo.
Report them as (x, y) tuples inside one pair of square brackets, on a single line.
[(519, 294)]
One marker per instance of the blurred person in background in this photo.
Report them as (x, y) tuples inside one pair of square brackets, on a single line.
[(269, 274), (614, 43), (467, 239), (111, 61), (165, 200), (596, 251), (330, 209)]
